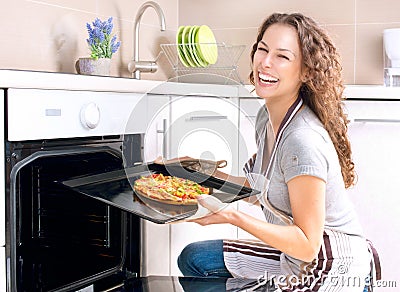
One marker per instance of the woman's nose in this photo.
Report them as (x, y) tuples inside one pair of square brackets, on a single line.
[(267, 61)]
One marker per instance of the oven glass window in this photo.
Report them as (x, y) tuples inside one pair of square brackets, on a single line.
[(63, 238)]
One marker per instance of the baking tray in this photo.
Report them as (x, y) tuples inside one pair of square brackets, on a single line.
[(116, 189)]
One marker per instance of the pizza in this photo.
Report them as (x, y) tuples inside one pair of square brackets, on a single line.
[(169, 189)]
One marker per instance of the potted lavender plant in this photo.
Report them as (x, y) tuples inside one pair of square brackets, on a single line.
[(102, 46)]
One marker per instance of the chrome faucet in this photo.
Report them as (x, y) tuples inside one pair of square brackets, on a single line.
[(135, 66)]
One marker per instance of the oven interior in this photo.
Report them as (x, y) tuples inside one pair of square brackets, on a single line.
[(59, 239)]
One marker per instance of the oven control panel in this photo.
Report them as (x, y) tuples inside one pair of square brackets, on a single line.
[(52, 114)]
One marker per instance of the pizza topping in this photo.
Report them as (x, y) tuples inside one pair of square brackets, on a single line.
[(169, 188)]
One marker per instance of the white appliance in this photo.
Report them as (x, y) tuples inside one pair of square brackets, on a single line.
[(374, 135)]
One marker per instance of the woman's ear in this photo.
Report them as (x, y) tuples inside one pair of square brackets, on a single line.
[(304, 75)]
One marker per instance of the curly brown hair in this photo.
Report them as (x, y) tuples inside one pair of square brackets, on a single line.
[(322, 88)]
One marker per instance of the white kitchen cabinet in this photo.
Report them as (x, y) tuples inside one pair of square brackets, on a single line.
[(156, 138), (155, 237), (203, 127), (155, 254), (375, 136)]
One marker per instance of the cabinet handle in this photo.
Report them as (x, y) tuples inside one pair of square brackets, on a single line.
[(375, 120), (163, 131), (207, 118), (250, 117)]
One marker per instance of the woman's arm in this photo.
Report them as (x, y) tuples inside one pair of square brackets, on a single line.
[(303, 239)]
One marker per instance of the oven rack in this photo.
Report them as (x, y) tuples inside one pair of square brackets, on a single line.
[(225, 66)]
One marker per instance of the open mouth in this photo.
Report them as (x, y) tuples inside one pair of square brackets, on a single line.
[(267, 79)]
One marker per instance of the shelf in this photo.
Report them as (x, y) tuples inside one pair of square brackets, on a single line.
[(225, 66)]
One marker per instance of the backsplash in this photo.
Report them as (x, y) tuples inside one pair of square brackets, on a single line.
[(50, 35)]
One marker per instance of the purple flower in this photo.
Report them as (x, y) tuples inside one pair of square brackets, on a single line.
[(114, 44), (97, 23), (98, 34), (100, 42), (109, 26)]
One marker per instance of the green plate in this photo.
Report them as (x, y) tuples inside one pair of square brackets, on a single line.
[(195, 55), (190, 46), (180, 46), (185, 46), (206, 45)]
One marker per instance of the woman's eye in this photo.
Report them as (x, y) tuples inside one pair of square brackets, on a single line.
[(262, 49), (284, 57)]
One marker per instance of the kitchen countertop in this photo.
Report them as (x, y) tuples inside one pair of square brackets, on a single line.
[(64, 81), (372, 92)]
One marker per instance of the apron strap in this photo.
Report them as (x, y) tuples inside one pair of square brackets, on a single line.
[(292, 111)]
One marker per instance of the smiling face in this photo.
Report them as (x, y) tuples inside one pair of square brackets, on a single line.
[(277, 64)]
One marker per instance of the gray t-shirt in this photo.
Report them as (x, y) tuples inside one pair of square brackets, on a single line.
[(306, 149)]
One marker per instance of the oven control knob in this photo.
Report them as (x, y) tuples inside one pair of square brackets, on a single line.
[(90, 115)]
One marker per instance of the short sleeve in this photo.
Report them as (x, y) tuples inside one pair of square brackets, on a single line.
[(305, 152)]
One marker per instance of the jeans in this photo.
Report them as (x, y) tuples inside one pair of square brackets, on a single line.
[(203, 259)]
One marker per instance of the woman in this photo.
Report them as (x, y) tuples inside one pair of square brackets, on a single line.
[(311, 237)]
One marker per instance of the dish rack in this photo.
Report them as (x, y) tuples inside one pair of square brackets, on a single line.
[(225, 66)]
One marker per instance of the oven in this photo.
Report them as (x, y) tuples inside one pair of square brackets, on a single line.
[(57, 239)]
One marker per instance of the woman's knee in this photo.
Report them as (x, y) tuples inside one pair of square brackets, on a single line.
[(185, 259), (202, 259)]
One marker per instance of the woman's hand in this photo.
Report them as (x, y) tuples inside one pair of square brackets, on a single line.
[(220, 213)]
